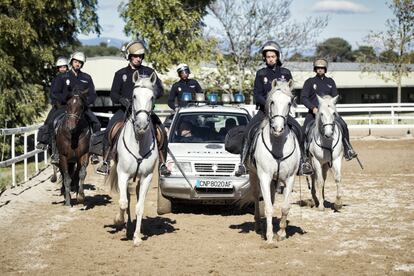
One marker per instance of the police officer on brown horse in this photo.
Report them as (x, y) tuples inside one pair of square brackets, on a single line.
[(322, 85), (262, 86), (121, 93)]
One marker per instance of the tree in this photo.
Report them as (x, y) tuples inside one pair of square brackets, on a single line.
[(172, 30), (396, 42), (364, 54), (99, 50), (335, 49), (299, 57), (246, 25), (32, 34)]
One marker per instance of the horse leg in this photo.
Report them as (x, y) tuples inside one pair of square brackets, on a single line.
[(281, 234), (53, 179), (336, 168), (254, 181), (265, 181), (123, 200), (82, 163), (319, 185), (145, 182), (66, 179)]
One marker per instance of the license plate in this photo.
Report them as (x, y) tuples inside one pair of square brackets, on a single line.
[(214, 183)]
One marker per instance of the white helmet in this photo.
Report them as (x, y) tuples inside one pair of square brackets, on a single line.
[(61, 61), (183, 67), (320, 62), (272, 46), (79, 56), (133, 48)]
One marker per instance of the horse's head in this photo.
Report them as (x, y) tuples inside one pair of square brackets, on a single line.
[(142, 101), (278, 105), (325, 118), (75, 106)]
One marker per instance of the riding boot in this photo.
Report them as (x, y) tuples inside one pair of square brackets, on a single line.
[(106, 164), (242, 169), (54, 158), (305, 167), (349, 152)]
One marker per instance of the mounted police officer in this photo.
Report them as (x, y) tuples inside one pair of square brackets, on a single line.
[(44, 132), (185, 84), (121, 93), (76, 80), (262, 86), (321, 85)]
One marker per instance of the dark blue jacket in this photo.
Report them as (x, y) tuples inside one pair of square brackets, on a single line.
[(67, 83), (263, 82), (317, 86), (123, 86), (190, 85)]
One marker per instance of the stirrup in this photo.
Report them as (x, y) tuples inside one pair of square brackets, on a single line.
[(351, 154), (103, 169), (241, 170), (305, 168), (41, 146), (54, 159), (94, 159), (164, 171)]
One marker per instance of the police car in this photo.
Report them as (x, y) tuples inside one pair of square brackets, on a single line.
[(202, 171)]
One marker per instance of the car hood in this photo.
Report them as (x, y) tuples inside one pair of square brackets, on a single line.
[(200, 150)]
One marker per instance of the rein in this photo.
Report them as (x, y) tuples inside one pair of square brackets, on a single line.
[(278, 159), (330, 149), (138, 159)]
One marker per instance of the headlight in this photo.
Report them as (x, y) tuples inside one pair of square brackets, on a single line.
[(185, 167)]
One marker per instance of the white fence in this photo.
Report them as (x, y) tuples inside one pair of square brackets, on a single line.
[(364, 116)]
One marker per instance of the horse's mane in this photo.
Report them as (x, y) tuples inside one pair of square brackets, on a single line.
[(282, 87)]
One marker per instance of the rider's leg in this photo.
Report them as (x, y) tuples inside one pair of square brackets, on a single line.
[(44, 131), (305, 167), (162, 149), (251, 126), (106, 153), (349, 152), (54, 158), (309, 119), (96, 126)]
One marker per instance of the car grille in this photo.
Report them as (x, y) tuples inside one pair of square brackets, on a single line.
[(214, 168)]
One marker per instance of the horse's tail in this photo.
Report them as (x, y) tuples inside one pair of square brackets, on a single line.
[(112, 179)]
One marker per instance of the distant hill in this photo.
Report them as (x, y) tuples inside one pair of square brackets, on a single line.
[(110, 41)]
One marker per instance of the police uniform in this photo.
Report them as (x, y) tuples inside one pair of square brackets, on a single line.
[(323, 86), (320, 86), (121, 92), (69, 82), (181, 86)]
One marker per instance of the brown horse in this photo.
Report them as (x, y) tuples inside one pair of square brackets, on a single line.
[(72, 141)]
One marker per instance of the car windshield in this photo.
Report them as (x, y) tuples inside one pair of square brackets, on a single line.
[(206, 127)]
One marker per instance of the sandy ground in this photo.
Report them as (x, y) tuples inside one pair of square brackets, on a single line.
[(372, 235)]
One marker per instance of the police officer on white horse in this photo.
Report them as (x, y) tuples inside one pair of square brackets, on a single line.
[(322, 85), (185, 84), (262, 86), (121, 93)]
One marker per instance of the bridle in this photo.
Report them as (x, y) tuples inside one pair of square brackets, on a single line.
[(136, 113), (272, 117)]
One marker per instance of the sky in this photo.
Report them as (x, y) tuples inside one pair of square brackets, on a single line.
[(351, 20)]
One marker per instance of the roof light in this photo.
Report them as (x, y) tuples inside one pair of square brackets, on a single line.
[(200, 97), (212, 97), (225, 98), (186, 96), (239, 98)]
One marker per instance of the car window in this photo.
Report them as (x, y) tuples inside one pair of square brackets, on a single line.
[(206, 127)]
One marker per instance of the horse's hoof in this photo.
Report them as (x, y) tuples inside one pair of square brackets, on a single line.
[(322, 209), (137, 241), (337, 206), (118, 221), (67, 203), (281, 237), (80, 198), (53, 179)]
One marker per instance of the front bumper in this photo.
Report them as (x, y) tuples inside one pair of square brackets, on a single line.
[(177, 188)]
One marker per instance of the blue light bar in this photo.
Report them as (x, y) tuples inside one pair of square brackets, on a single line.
[(186, 96), (239, 98)]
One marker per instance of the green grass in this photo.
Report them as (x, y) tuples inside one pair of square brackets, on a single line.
[(6, 173)]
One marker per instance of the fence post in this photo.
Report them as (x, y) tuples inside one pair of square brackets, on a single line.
[(36, 155), (392, 114), (25, 151), (13, 165)]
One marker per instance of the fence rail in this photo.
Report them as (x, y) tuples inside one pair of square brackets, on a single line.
[(371, 115)]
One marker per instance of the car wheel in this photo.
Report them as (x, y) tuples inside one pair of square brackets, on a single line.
[(164, 205)]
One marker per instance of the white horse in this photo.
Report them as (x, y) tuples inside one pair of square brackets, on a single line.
[(137, 152), (326, 150), (276, 158)]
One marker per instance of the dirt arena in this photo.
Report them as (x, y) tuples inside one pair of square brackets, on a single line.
[(373, 234)]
